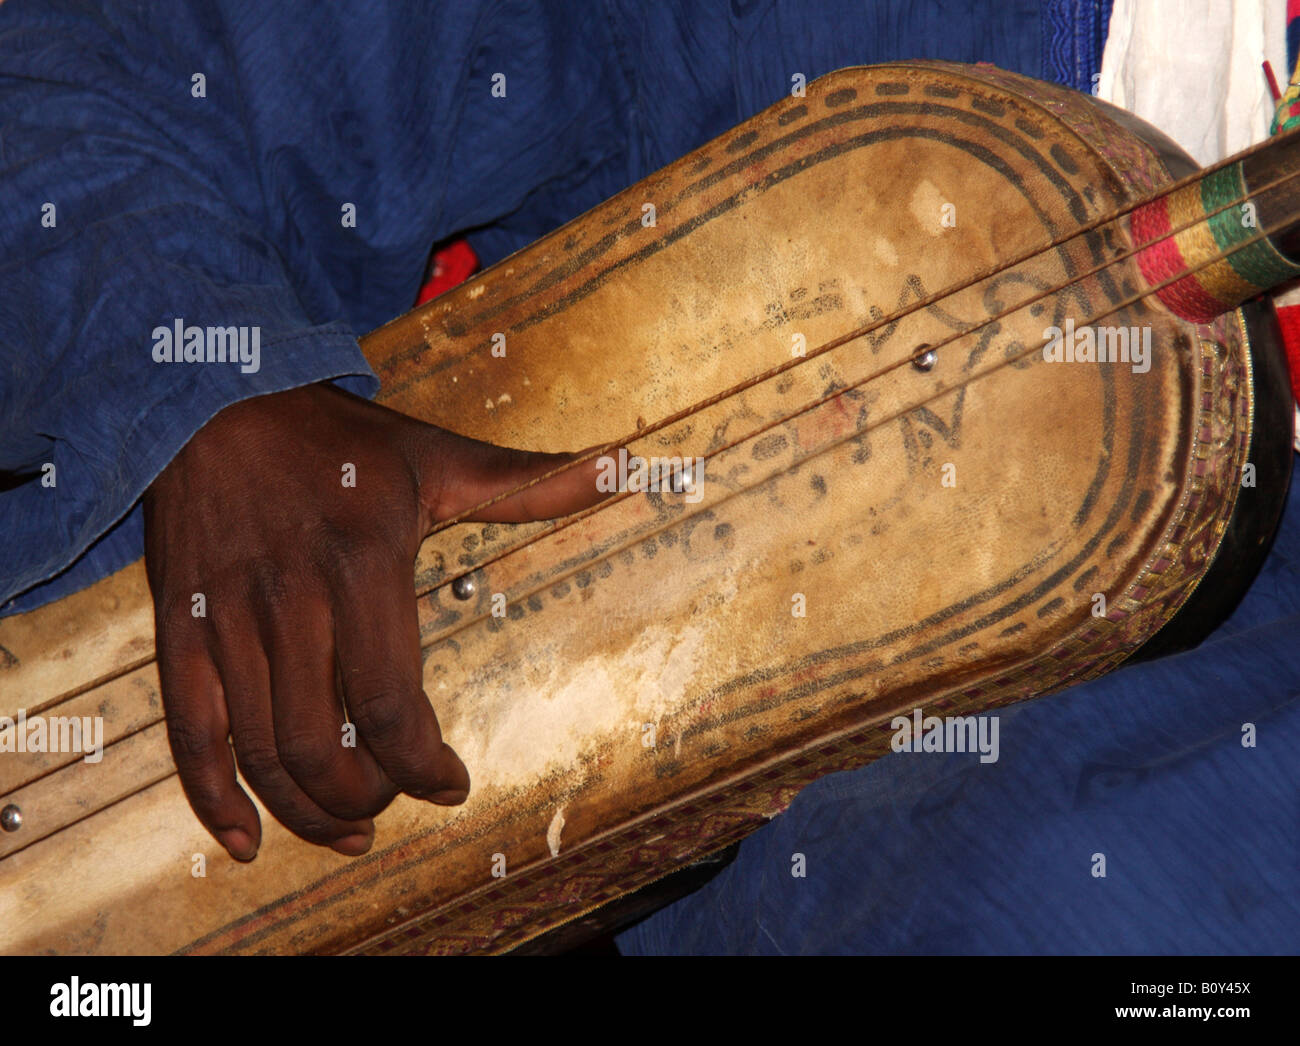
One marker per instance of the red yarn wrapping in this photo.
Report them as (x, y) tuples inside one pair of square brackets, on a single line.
[(1163, 260)]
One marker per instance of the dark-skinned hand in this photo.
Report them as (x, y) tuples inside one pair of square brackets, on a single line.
[(310, 606)]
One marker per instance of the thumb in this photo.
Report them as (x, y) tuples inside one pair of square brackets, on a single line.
[(457, 474)]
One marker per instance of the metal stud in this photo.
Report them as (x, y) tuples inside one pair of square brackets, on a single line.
[(11, 818), (925, 358), (463, 587)]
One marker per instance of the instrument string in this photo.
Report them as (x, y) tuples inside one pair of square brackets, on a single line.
[(840, 340), (902, 313)]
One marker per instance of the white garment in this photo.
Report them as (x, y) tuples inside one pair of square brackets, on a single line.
[(1192, 69)]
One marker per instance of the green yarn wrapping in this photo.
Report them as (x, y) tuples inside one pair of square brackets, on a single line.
[(1258, 263)]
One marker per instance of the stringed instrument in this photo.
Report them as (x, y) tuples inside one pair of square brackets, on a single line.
[(894, 489)]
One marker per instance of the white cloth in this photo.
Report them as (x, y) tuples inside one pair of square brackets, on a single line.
[(1192, 69)]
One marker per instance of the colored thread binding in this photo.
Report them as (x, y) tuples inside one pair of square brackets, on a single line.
[(1227, 273)]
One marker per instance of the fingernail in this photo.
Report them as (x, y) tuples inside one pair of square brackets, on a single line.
[(239, 844), (450, 797), (352, 845)]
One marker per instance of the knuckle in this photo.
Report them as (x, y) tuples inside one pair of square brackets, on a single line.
[(306, 757), (364, 568), (259, 762), (383, 714), (266, 584), (232, 630), (424, 450), (171, 609), (176, 652), (352, 573), (190, 743), (328, 543)]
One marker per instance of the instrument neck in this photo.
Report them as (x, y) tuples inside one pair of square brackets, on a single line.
[(1270, 180), (1207, 246)]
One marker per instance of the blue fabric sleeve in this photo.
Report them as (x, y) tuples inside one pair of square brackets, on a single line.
[(194, 161)]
